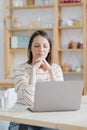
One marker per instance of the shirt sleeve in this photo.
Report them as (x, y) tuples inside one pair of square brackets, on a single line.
[(24, 90), (58, 72)]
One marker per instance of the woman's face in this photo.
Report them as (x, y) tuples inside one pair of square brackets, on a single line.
[(40, 47)]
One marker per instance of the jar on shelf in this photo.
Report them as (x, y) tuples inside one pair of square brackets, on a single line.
[(46, 2), (71, 45), (31, 24), (38, 23), (17, 23), (67, 67), (78, 68), (17, 2), (30, 2), (80, 45)]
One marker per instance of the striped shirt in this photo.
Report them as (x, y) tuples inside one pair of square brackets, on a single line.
[(25, 91)]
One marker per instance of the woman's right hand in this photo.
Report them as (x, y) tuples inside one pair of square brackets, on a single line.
[(37, 63), (35, 66)]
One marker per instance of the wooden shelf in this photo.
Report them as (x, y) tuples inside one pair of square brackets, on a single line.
[(70, 27), (62, 32), (28, 29), (18, 50), (72, 72), (32, 7), (10, 32), (70, 50), (70, 4)]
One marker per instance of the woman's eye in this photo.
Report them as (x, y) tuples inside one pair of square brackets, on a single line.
[(45, 46), (36, 45)]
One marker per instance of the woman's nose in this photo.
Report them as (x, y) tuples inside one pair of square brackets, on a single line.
[(41, 48)]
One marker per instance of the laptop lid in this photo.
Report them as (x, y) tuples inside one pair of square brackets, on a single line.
[(58, 95)]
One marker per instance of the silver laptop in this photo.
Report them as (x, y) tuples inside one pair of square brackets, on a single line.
[(57, 96)]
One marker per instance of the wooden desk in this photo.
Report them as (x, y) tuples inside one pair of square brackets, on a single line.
[(6, 83), (74, 120)]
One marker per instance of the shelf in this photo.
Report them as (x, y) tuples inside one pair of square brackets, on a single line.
[(67, 11), (18, 50), (32, 7), (70, 4), (70, 27), (70, 50), (28, 29), (72, 72)]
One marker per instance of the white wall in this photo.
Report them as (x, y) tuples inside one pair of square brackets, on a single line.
[(1, 40)]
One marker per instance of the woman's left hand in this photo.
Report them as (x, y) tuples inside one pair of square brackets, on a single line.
[(45, 66)]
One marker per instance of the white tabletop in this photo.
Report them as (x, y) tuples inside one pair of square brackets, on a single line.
[(69, 120)]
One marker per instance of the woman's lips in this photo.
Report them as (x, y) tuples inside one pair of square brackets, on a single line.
[(40, 54)]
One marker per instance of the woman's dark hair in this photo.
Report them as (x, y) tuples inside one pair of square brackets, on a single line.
[(43, 34)]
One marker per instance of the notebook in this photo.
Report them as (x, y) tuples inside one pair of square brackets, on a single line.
[(53, 96)]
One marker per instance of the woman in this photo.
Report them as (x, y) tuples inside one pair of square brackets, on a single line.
[(38, 68)]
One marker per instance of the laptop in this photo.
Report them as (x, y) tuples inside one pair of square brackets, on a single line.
[(51, 96)]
